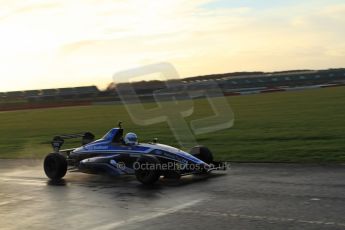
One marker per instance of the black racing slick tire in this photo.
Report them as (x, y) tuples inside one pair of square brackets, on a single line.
[(202, 153), (146, 170), (172, 175), (55, 166)]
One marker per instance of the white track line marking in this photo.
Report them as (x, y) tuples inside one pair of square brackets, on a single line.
[(149, 216), (21, 199), (262, 218), (4, 203), (22, 181)]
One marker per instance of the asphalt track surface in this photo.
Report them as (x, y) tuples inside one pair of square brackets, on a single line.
[(248, 196)]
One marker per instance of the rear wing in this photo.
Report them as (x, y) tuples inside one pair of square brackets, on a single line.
[(58, 141)]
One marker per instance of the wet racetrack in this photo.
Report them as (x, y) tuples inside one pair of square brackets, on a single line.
[(248, 196)]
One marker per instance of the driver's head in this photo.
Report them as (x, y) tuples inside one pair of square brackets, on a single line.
[(131, 139)]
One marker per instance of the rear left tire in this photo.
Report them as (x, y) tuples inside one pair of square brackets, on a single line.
[(55, 166)]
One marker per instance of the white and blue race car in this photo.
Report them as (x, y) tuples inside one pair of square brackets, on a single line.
[(115, 154)]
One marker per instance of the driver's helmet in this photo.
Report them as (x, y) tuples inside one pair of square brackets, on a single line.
[(131, 139)]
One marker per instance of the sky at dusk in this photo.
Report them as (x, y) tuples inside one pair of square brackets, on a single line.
[(49, 44)]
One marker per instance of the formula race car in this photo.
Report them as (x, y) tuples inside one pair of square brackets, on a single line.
[(115, 154)]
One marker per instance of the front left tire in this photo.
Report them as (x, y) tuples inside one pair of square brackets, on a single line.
[(55, 166), (202, 153)]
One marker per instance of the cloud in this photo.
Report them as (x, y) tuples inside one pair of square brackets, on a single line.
[(87, 39)]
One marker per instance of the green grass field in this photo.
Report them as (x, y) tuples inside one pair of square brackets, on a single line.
[(305, 126)]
